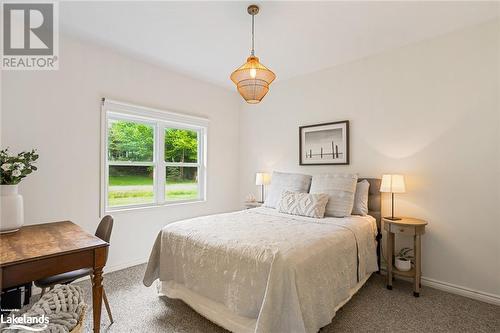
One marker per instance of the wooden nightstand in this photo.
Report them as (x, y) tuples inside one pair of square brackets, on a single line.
[(410, 227), (253, 204)]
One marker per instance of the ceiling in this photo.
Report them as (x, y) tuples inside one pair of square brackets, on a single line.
[(208, 40)]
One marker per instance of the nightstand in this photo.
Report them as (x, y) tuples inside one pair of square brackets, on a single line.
[(407, 226), (254, 204)]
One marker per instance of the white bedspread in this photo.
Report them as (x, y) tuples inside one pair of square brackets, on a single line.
[(288, 272)]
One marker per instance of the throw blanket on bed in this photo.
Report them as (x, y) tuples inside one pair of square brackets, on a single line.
[(288, 272)]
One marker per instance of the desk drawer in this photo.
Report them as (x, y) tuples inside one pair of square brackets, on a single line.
[(25, 272), (404, 230)]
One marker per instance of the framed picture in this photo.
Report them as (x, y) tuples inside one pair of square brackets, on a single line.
[(324, 143)]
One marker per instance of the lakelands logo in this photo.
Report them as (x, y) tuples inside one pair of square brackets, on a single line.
[(30, 36), (25, 323)]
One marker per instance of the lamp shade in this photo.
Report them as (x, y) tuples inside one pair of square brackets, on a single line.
[(393, 184), (262, 178), (252, 80)]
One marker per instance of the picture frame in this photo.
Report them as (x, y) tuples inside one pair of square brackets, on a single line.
[(324, 144)]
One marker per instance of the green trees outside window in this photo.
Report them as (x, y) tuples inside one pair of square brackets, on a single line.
[(181, 147), (130, 141)]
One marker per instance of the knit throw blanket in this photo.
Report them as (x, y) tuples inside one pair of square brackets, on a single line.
[(63, 307)]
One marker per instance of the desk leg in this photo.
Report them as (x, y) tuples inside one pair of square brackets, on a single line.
[(416, 246), (97, 298), (390, 252)]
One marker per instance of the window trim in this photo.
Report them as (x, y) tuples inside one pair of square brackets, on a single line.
[(161, 120)]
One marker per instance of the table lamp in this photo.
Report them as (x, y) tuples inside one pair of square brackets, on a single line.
[(262, 179), (393, 184)]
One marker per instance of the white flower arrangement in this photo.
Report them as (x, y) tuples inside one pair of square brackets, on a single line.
[(6, 166), (15, 168)]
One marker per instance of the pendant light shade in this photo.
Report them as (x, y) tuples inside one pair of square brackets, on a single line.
[(252, 79)]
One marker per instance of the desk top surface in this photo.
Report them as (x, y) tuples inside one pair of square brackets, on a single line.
[(39, 241)]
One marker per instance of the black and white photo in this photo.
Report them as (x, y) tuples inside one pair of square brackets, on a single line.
[(326, 143)]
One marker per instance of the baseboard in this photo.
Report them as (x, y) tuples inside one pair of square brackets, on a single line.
[(118, 267), (107, 269), (456, 289), (462, 291)]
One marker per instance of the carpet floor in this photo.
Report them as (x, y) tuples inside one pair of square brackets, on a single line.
[(136, 308)]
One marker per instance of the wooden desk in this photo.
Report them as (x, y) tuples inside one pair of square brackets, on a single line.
[(43, 250)]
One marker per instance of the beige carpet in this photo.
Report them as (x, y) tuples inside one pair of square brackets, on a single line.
[(373, 309)]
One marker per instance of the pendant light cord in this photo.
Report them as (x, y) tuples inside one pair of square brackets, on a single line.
[(253, 43)]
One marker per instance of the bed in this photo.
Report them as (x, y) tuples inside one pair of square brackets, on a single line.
[(259, 270)]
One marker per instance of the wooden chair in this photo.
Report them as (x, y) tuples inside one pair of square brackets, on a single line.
[(103, 232)]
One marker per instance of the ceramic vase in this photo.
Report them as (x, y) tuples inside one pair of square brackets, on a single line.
[(11, 207)]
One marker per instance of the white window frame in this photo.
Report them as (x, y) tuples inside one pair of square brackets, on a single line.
[(160, 120)]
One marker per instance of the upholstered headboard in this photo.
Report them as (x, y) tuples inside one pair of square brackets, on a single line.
[(374, 199), (375, 209)]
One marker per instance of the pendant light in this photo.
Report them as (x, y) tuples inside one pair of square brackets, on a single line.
[(253, 79)]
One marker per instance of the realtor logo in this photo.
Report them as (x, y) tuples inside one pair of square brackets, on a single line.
[(30, 36)]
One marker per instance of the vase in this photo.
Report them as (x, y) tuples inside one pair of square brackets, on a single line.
[(11, 207)]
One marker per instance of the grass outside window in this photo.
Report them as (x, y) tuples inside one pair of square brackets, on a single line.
[(137, 189)]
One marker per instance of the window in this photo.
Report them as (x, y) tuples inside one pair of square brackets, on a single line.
[(151, 157)]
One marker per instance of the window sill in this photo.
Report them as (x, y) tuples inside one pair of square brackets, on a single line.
[(152, 206)]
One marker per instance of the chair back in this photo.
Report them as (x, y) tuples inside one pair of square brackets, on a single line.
[(104, 230)]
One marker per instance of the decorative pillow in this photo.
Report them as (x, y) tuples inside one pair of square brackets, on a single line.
[(303, 204), (281, 181), (360, 206), (340, 188)]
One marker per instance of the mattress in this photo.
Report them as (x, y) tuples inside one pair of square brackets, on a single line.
[(262, 271)]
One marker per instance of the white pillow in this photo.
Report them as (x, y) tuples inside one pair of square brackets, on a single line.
[(360, 206), (340, 188), (303, 204), (282, 181)]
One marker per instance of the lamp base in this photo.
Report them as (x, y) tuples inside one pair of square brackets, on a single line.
[(392, 218)]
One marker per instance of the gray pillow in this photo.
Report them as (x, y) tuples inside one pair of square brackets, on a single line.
[(282, 181), (360, 206), (340, 187)]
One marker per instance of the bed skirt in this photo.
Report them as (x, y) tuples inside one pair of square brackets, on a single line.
[(221, 315)]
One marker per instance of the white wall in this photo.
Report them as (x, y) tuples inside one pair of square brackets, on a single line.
[(430, 111), (58, 112)]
